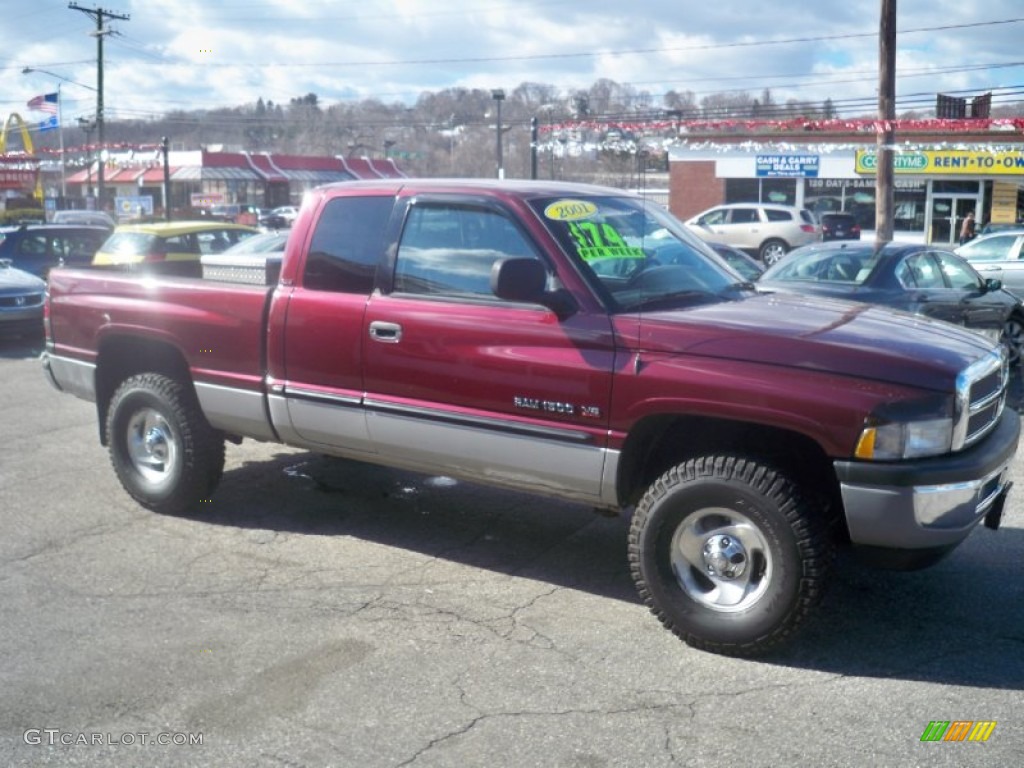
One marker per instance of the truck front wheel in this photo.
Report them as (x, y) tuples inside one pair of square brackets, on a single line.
[(164, 452), (726, 553)]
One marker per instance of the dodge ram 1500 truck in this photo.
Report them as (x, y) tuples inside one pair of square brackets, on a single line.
[(571, 341)]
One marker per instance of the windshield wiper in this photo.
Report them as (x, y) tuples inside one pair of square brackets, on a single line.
[(661, 299)]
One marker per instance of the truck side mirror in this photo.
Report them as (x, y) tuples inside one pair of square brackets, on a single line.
[(525, 280), (519, 280), (992, 284)]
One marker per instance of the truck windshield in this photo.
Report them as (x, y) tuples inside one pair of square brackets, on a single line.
[(636, 254)]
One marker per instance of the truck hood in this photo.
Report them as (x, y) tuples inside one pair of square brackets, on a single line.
[(820, 334)]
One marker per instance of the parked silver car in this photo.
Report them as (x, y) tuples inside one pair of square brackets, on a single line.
[(998, 256), (765, 230)]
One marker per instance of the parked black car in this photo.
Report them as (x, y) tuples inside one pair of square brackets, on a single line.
[(739, 260), (839, 226), (922, 279), (37, 248)]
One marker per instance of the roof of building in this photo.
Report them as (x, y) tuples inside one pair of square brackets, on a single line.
[(244, 166)]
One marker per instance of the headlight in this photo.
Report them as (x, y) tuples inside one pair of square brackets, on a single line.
[(905, 440), (908, 429)]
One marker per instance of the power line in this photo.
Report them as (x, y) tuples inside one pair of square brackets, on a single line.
[(624, 52)]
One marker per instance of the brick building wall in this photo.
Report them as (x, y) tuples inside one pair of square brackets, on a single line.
[(693, 188)]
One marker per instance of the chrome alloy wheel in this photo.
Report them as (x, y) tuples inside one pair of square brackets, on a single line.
[(721, 560), (152, 446), (1013, 338)]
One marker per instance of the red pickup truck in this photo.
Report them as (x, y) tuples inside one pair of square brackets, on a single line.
[(571, 341)]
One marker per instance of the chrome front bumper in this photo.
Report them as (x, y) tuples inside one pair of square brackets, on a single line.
[(929, 504)]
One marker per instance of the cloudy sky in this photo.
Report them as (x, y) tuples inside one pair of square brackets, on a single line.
[(188, 54)]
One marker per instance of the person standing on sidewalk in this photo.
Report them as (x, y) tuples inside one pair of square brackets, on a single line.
[(967, 230)]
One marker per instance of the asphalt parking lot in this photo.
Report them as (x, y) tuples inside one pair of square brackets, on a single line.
[(322, 612)]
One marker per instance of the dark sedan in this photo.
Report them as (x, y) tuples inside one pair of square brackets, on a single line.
[(922, 279), (739, 260)]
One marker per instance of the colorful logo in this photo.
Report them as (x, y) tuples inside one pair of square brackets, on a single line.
[(958, 730)]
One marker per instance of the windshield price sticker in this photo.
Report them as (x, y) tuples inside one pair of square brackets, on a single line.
[(570, 210), (602, 241), (611, 252)]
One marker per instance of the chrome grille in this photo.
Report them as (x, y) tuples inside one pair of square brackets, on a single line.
[(980, 397), (22, 300)]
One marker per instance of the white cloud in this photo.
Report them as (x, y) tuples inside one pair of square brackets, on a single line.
[(175, 54)]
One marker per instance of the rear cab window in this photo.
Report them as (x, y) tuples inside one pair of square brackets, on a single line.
[(347, 244)]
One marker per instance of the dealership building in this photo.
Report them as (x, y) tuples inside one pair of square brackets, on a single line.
[(938, 177)]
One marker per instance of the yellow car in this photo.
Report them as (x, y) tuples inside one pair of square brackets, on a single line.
[(169, 241)]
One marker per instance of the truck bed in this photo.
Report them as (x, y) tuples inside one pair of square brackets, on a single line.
[(219, 327)]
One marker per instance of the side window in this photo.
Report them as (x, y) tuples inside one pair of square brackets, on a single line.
[(743, 216), (347, 244), (81, 245), (920, 271), (449, 250), (713, 218), (996, 248), (215, 241), (181, 244), (958, 275), (773, 214), (32, 245)]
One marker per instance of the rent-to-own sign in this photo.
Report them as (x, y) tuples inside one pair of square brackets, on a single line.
[(944, 162)]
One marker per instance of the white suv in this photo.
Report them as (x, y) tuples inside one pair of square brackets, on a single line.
[(765, 230)]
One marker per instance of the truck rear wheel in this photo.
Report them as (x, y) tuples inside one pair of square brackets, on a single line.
[(726, 553), (164, 452)]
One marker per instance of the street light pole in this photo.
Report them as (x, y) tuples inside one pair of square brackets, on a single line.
[(88, 126), (499, 96)]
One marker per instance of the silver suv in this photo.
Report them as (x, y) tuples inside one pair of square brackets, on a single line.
[(999, 255), (765, 230)]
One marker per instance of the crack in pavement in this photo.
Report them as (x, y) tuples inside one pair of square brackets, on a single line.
[(486, 716)]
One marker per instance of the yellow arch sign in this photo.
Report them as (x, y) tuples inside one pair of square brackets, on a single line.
[(26, 138), (26, 141)]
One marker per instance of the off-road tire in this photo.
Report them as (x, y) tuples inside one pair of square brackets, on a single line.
[(164, 452), (703, 507)]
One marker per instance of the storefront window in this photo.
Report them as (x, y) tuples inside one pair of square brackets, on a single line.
[(780, 191), (947, 187), (742, 190), (908, 205), (857, 196)]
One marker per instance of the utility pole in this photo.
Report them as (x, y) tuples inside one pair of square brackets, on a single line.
[(499, 96), (534, 135), (165, 150), (885, 135), (99, 14)]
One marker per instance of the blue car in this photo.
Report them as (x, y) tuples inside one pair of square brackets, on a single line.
[(38, 248)]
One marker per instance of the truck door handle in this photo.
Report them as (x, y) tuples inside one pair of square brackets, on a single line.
[(389, 333)]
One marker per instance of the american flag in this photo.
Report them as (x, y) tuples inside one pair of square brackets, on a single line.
[(44, 102)]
